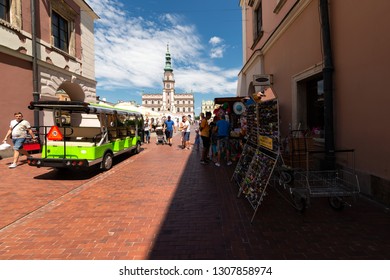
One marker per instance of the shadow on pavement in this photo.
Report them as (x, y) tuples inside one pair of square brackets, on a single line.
[(81, 174), (206, 220)]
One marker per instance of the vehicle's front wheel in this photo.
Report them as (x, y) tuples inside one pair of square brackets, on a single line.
[(107, 161)]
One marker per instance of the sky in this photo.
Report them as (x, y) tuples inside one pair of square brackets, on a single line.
[(131, 38)]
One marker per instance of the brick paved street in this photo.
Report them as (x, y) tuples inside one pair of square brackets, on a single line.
[(163, 204)]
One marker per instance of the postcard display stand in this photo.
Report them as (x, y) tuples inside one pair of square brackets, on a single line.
[(260, 153)]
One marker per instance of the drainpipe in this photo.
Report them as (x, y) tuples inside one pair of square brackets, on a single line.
[(34, 62), (328, 84)]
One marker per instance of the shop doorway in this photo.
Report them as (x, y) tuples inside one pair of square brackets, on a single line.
[(315, 106), (310, 105)]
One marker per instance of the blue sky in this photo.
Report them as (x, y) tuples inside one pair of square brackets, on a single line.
[(131, 37)]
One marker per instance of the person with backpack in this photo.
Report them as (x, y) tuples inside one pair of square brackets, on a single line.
[(18, 130)]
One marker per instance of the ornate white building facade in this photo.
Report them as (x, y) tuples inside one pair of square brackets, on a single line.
[(169, 102), (207, 106)]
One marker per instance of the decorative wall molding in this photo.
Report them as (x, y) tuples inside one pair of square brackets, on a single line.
[(279, 6)]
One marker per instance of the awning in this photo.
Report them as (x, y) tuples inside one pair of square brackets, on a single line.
[(222, 100)]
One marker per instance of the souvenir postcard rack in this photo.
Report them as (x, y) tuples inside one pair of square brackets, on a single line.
[(260, 153)]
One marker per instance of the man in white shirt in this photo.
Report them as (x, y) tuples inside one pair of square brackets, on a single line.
[(186, 134), (18, 129)]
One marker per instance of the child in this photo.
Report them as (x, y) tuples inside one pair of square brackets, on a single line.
[(197, 139), (213, 139)]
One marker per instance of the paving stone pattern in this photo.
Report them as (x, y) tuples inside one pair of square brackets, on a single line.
[(163, 204)]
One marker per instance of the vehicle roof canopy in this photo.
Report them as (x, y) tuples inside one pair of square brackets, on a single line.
[(81, 107)]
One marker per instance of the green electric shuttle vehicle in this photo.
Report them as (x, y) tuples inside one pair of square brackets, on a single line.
[(79, 135)]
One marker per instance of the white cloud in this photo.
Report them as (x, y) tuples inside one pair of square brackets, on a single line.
[(217, 52), (218, 48), (215, 41), (130, 53)]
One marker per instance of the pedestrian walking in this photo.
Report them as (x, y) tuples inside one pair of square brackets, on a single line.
[(147, 129), (213, 139), (152, 125), (223, 130), (186, 133), (201, 117), (18, 130), (169, 129), (205, 134)]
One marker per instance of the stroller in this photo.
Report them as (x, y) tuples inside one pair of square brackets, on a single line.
[(160, 136)]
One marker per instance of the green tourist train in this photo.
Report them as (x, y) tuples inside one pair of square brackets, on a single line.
[(78, 135)]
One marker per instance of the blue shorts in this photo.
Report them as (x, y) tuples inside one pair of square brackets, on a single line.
[(223, 143), (18, 143), (168, 133), (186, 136)]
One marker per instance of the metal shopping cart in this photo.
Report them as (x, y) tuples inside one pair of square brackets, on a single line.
[(338, 185)]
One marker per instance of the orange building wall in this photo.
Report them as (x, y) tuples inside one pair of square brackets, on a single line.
[(18, 71), (360, 45), (26, 16), (297, 50)]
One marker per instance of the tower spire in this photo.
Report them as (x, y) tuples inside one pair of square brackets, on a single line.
[(168, 64)]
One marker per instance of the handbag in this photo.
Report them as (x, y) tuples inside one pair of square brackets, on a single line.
[(4, 146)]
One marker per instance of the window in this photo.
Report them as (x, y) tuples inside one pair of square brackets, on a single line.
[(60, 31), (258, 18), (4, 9)]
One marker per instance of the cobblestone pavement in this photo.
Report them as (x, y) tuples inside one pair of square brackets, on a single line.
[(163, 204)]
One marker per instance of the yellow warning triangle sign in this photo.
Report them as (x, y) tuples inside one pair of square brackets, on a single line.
[(54, 133)]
